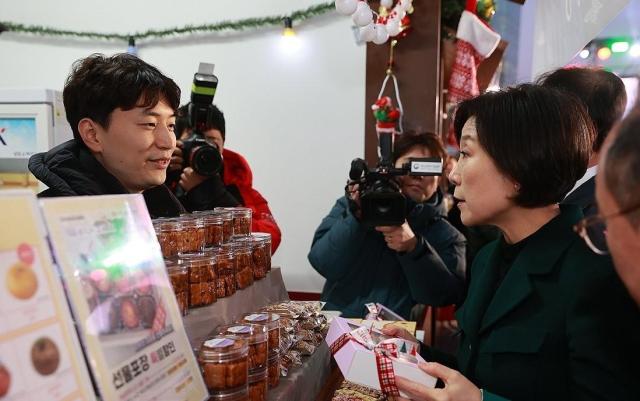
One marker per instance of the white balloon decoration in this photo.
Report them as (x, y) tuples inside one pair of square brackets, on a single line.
[(346, 7), (386, 3), (363, 15), (367, 33), (381, 34), (393, 26)]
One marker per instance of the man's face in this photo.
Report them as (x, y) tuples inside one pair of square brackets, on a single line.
[(623, 239), (137, 146), (215, 136)]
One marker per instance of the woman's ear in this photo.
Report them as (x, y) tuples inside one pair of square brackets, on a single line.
[(89, 132)]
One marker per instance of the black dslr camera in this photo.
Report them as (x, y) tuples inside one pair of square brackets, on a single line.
[(203, 156), (381, 202)]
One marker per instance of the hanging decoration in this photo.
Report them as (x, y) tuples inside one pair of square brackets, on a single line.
[(239, 25), (476, 41), (388, 118), (390, 20)]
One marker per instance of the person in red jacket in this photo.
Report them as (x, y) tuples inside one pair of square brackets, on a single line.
[(232, 187)]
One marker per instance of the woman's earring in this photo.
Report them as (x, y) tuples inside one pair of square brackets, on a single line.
[(516, 187)]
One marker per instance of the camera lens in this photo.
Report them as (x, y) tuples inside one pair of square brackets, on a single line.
[(206, 160)]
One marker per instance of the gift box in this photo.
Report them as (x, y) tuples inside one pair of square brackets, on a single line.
[(380, 324), (368, 358)]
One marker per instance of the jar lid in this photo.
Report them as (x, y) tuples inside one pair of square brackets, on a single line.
[(258, 375), (271, 320), (237, 211), (260, 238), (224, 251), (225, 214), (200, 213), (174, 267), (223, 348), (171, 224), (212, 219), (191, 221), (196, 259), (241, 242), (255, 333)]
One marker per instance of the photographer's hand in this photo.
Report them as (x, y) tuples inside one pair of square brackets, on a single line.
[(399, 238), (354, 196), (189, 179), (176, 158)]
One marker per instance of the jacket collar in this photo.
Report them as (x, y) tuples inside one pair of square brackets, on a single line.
[(539, 257)]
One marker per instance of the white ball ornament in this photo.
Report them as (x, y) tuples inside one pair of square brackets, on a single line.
[(393, 26), (346, 7), (386, 3), (381, 34), (367, 33), (363, 15)]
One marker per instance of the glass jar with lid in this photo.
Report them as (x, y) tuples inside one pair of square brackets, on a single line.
[(256, 335), (224, 364), (202, 277), (169, 236), (261, 254), (193, 234)]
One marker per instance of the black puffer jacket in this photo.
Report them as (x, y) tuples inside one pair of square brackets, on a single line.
[(70, 169)]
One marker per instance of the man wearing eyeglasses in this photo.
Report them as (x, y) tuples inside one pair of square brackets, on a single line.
[(618, 196)]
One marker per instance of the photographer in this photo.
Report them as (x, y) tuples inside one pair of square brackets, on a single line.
[(232, 186), (420, 261)]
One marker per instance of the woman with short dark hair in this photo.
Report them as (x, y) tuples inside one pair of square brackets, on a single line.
[(537, 322)]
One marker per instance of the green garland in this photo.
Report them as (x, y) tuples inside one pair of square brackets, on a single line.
[(239, 25)]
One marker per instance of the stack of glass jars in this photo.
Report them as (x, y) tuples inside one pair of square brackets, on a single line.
[(241, 219), (271, 322), (226, 272), (256, 335), (224, 363)]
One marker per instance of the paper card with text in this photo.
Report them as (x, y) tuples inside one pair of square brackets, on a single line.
[(40, 355), (122, 299)]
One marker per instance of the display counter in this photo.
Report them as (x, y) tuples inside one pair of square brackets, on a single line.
[(201, 322), (302, 383)]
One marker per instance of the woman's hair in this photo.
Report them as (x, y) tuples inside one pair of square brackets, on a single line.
[(540, 137), (404, 142)]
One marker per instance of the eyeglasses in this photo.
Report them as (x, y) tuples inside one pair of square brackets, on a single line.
[(593, 230)]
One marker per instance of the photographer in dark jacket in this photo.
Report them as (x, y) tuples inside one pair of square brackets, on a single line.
[(421, 261), (122, 113)]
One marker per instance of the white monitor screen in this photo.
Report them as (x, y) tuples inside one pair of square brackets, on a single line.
[(18, 137)]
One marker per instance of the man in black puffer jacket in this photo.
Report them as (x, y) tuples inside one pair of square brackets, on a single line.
[(122, 113)]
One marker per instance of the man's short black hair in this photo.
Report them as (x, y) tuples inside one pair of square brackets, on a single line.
[(99, 84), (622, 165), (408, 140), (540, 137), (215, 120), (602, 92)]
